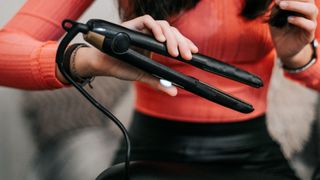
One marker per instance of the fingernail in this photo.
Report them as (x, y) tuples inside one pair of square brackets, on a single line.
[(165, 83), (290, 19), (283, 4), (176, 52), (162, 38), (189, 56), (196, 49)]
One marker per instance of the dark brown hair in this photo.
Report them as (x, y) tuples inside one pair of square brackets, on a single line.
[(162, 9)]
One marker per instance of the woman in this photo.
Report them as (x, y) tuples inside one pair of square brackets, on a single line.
[(27, 61), (187, 128)]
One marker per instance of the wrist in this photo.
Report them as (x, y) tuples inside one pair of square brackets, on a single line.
[(60, 76), (302, 63), (76, 66), (83, 63), (300, 59)]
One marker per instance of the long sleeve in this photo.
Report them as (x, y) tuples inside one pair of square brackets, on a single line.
[(28, 43), (310, 77)]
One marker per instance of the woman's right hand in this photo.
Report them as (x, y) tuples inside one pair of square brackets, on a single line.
[(91, 62)]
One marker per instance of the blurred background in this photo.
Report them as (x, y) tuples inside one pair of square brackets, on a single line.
[(19, 138), (42, 131)]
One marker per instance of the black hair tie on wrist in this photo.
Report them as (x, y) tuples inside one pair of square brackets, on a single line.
[(68, 64)]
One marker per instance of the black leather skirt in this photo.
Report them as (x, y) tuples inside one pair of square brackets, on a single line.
[(243, 145)]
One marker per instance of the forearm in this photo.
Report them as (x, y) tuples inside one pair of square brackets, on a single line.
[(310, 76), (27, 63), (27, 57), (292, 41)]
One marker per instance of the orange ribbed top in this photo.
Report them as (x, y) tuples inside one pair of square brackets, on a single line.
[(27, 43), (28, 48), (219, 31)]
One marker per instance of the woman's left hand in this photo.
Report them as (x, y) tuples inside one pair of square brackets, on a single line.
[(292, 42)]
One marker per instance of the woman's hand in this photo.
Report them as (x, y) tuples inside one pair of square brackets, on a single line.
[(91, 62), (163, 32), (292, 42)]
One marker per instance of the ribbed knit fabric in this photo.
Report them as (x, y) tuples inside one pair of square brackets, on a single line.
[(310, 77), (27, 47), (219, 31), (27, 56)]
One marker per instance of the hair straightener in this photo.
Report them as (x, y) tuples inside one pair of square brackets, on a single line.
[(119, 42)]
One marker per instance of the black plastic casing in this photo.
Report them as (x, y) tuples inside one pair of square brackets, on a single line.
[(118, 41)]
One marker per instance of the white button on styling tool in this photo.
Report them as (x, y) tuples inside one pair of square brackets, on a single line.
[(165, 83)]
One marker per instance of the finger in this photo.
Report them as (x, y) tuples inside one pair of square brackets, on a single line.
[(303, 23), (309, 10), (172, 44), (312, 1), (154, 27), (146, 24), (172, 91), (307, 1), (183, 45), (192, 46), (155, 83)]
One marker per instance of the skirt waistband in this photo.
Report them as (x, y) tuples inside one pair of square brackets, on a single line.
[(152, 125)]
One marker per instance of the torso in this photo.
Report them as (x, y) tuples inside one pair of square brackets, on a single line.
[(219, 31)]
